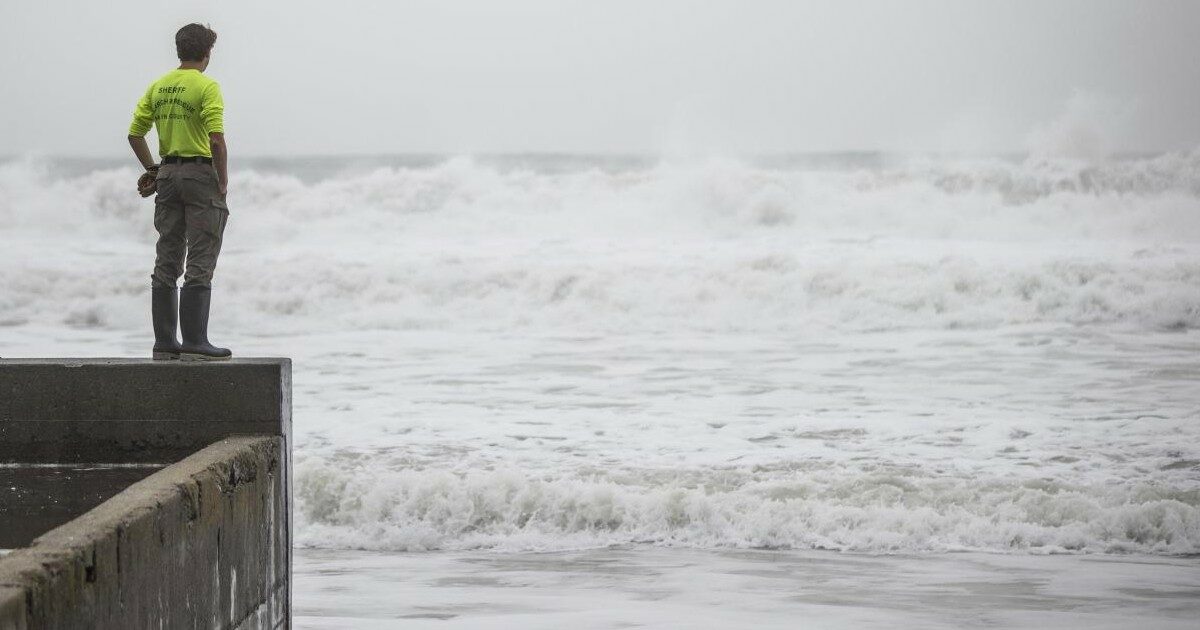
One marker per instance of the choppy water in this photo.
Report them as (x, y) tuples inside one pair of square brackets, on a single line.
[(867, 353)]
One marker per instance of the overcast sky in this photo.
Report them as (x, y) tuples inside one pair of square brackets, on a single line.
[(744, 76)]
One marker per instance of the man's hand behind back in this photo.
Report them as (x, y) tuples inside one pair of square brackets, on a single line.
[(146, 184)]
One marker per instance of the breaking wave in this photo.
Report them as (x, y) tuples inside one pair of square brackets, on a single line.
[(509, 511), (716, 244)]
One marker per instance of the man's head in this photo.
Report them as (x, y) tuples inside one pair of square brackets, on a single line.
[(194, 43)]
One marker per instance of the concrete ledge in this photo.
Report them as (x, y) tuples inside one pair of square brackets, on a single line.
[(136, 410), (202, 543)]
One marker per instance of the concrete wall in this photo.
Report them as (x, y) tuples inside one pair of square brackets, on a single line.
[(136, 410), (204, 542), (195, 545)]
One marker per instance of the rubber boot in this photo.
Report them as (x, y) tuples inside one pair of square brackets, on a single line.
[(193, 322), (164, 314)]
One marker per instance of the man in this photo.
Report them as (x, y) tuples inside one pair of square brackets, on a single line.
[(189, 209)]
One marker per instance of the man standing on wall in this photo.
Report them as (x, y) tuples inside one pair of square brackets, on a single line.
[(189, 210)]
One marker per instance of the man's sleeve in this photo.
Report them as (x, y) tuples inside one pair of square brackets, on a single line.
[(212, 109), (143, 115)]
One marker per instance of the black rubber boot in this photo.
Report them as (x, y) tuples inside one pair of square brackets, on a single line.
[(193, 322), (164, 312)]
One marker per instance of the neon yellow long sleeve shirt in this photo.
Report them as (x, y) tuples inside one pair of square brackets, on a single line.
[(185, 106)]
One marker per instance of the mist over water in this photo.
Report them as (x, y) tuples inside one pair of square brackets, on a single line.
[(873, 352)]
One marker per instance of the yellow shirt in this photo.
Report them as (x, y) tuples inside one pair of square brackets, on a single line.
[(185, 106)]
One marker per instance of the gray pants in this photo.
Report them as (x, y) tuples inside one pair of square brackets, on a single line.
[(190, 217)]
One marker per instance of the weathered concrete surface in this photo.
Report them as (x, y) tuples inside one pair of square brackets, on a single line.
[(36, 499), (203, 543), (136, 410)]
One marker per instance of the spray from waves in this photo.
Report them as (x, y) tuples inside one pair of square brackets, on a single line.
[(716, 244), (427, 510), (1040, 177), (911, 197)]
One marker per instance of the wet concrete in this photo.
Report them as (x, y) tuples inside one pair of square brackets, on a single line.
[(36, 499), (201, 543), (138, 494), (136, 410)]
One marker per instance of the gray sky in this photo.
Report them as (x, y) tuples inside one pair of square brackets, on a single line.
[(670, 76)]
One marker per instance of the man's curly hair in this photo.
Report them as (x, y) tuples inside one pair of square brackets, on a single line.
[(194, 41)]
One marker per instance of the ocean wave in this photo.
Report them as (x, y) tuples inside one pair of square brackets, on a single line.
[(941, 198), (716, 244), (415, 510), (1035, 178), (851, 287), (773, 291)]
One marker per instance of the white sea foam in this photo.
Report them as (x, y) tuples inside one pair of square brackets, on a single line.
[(894, 356), (716, 244), (422, 510)]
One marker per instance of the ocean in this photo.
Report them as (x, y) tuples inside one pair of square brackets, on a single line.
[(614, 391)]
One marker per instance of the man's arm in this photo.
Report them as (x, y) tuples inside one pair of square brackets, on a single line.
[(142, 151), (212, 114), (220, 155), (143, 119)]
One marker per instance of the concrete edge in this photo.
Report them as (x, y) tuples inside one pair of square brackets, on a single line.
[(126, 410), (65, 556), (12, 607), (147, 495), (80, 361)]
